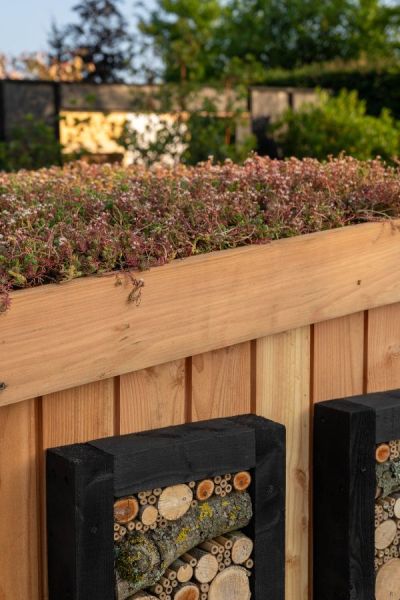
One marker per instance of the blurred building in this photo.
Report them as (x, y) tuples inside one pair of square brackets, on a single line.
[(92, 117)]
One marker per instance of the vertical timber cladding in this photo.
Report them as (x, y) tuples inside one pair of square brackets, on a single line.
[(356, 491), (86, 482)]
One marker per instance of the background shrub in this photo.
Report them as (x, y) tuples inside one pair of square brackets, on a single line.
[(32, 145), (338, 124), (377, 82)]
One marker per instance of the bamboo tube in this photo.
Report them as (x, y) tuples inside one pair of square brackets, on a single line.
[(204, 587), (125, 509), (223, 483), (218, 490), (142, 495), (156, 589), (152, 499), (157, 491), (191, 560), (210, 546), (227, 562), (203, 596), (171, 574), (194, 503), (143, 501), (220, 557), (192, 484), (249, 564), (117, 537), (174, 583), (116, 527), (139, 526), (217, 479), (241, 481), (221, 566), (228, 476), (224, 541), (131, 526), (175, 501), (228, 488)]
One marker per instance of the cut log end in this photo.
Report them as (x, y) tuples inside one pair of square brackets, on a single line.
[(175, 501), (385, 534), (241, 481), (205, 489), (387, 585), (230, 584), (189, 591), (382, 453), (126, 509)]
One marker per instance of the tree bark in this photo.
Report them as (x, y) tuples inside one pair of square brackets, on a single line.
[(142, 558)]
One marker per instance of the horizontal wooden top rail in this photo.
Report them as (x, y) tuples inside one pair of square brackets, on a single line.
[(59, 336)]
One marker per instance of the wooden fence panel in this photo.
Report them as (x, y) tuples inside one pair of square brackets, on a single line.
[(338, 357), (19, 503), (76, 415), (283, 394), (383, 372), (153, 397), (221, 382)]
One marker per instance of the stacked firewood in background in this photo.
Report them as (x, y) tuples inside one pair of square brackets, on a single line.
[(387, 520), (184, 542)]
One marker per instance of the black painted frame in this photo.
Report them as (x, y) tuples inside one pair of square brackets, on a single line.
[(84, 479), (346, 432)]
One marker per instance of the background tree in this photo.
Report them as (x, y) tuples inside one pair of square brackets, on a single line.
[(291, 33), (182, 36), (100, 39)]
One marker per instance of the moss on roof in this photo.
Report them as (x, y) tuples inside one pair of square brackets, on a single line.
[(61, 223)]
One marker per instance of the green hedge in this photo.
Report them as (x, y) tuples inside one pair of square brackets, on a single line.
[(377, 83)]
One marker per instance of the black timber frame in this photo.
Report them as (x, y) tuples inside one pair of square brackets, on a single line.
[(346, 432), (83, 481)]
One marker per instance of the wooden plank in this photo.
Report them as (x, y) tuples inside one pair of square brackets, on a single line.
[(87, 330), (221, 383), (78, 415), (283, 395), (344, 435), (19, 514), (153, 397), (72, 416), (338, 358), (383, 372)]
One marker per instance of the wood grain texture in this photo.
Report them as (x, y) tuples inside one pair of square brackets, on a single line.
[(79, 414), (19, 514), (221, 383), (283, 395), (87, 330), (338, 357), (69, 417), (152, 398), (383, 372)]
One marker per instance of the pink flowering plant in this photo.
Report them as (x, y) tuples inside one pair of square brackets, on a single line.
[(61, 223)]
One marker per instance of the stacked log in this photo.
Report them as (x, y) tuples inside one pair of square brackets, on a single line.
[(184, 542), (387, 521)]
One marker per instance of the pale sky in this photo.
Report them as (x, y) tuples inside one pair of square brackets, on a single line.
[(24, 24)]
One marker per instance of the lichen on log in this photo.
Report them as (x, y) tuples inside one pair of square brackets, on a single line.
[(142, 558), (388, 477)]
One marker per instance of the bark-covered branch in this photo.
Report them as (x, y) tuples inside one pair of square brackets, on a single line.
[(142, 558)]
